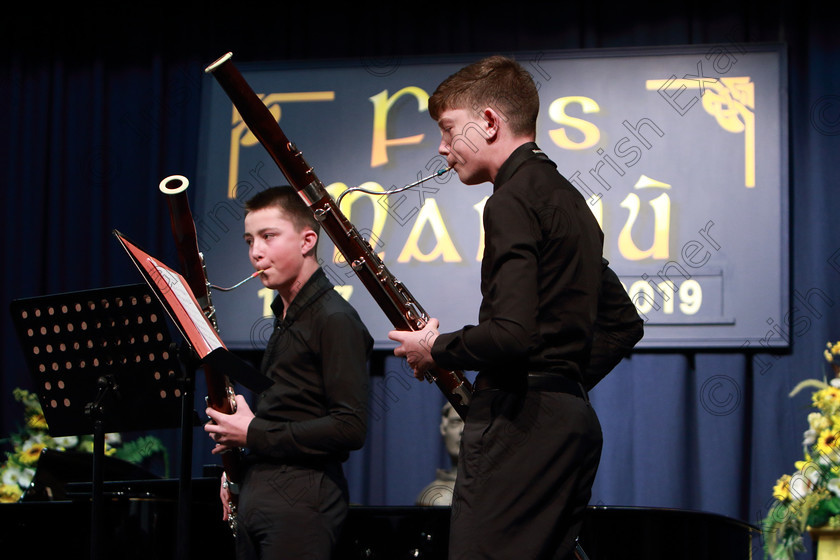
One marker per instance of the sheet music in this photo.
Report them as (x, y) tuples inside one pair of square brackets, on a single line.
[(178, 298), (196, 315)]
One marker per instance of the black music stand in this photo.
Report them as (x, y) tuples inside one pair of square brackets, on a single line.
[(102, 361), (202, 347)]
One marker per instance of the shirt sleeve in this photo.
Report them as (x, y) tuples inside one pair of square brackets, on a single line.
[(508, 328), (345, 347), (618, 328)]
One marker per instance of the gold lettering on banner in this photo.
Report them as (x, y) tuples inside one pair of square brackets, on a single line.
[(731, 101), (429, 214), (267, 297), (379, 204), (557, 113), (382, 104), (661, 223), (242, 137)]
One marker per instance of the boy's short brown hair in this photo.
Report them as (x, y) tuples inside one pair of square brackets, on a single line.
[(290, 204), (498, 82)]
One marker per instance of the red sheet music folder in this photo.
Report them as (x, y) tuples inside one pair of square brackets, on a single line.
[(175, 295)]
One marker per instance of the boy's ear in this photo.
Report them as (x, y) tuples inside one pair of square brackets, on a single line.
[(310, 240), (492, 122)]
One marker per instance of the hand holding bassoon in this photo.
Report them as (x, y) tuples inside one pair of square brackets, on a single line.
[(416, 347)]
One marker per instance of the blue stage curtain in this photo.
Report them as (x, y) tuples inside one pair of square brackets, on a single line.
[(89, 132)]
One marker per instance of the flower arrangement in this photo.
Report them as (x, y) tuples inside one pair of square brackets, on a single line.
[(809, 498), (28, 442)]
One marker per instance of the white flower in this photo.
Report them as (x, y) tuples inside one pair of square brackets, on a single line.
[(11, 474), (828, 459), (834, 486), (26, 477), (113, 439), (66, 442), (800, 485), (16, 475), (818, 422), (34, 439), (835, 382), (809, 437)]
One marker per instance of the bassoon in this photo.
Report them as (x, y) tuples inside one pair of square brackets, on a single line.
[(220, 392), (390, 294)]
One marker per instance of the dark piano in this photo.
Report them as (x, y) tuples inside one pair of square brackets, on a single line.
[(54, 517), (141, 521), (609, 533)]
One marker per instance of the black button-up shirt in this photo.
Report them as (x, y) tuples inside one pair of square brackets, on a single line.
[(317, 358), (545, 286)]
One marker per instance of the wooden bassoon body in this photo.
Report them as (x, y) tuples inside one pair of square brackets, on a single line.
[(220, 392), (391, 295)]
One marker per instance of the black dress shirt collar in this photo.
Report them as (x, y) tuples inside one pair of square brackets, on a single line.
[(520, 155), (314, 288)]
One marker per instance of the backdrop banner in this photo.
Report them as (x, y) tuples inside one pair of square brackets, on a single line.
[(681, 153)]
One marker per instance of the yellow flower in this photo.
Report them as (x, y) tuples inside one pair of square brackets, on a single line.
[(827, 443), (827, 400), (781, 491), (817, 478), (37, 421), (818, 422), (10, 493), (31, 452)]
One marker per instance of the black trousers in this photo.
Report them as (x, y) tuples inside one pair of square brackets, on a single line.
[(527, 463), (290, 512)]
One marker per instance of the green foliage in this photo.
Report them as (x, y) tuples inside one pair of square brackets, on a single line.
[(809, 498), (143, 448), (29, 441)]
